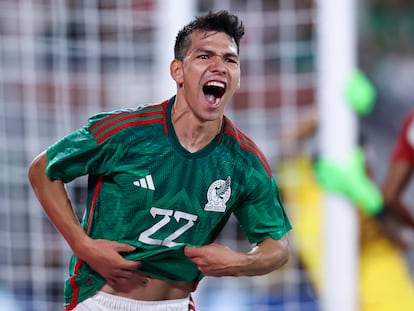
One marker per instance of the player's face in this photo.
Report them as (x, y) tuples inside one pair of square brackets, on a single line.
[(210, 74)]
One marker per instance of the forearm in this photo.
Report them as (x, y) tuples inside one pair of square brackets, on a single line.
[(267, 256), (54, 199), (219, 260), (401, 210), (396, 181), (101, 255)]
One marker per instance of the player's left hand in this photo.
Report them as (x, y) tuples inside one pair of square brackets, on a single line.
[(216, 260)]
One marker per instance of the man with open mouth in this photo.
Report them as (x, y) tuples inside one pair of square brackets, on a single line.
[(163, 180)]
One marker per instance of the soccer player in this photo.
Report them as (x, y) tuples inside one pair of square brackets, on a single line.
[(163, 180)]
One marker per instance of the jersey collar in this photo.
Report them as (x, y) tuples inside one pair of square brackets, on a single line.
[(175, 143)]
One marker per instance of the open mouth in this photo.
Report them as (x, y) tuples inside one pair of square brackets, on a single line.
[(214, 90)]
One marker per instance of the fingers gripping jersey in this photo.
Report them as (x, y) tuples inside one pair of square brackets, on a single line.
[(146, 190)]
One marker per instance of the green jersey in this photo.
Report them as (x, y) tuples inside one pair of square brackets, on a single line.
[(146, 190)]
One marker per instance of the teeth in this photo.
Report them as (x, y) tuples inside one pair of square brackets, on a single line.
[(216, 84)]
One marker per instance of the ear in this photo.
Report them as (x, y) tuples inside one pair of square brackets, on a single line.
[(176, 71)]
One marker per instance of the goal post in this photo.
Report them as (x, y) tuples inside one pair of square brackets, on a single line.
[(170, 18), (336, 52)]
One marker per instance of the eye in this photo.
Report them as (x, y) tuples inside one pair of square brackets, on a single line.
[(203, 56), (231, 60)]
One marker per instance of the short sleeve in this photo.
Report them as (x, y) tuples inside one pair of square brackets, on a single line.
[(262, 215), (78, 154)]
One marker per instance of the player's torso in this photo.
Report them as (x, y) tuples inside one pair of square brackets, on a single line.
[(156, 194)]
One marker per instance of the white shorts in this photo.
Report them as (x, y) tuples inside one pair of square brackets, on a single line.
[(106, 302)]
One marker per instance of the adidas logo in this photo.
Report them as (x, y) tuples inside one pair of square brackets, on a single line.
[(145, 182)]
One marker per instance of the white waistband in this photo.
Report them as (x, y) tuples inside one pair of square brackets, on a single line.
[(114, 302)]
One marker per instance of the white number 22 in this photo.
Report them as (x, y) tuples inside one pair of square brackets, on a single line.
[(168, 241)]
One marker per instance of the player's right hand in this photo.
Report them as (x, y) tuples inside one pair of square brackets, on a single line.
[(104, 257)]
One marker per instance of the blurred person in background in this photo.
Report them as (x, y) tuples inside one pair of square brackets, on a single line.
[(398, 176), (163, 182), (382, 238)]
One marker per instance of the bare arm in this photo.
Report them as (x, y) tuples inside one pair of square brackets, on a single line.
[(218, 260), (102, 255), (398, 176)]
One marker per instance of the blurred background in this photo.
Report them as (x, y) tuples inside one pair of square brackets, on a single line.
[(61, 61)]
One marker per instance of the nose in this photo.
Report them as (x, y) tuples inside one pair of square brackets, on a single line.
[(218, 65)]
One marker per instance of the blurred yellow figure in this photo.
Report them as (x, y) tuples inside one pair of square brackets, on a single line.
[(385, 283)]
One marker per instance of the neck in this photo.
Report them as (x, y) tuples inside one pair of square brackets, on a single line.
[(193, 134)]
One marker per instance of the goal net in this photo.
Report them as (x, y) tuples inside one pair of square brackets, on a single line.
[(62, 61)]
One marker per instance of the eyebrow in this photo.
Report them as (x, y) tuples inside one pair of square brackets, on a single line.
[(210, 52)]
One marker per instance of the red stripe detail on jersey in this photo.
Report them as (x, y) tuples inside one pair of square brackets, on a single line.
[(126, 125), (165, 104), (246, 143), (72, 280), (75, 287), (106, 119), (195, 285), (93, 204), (134, 113), (118, 120)]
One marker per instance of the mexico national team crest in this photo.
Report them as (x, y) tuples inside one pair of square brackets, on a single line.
[(217, 195)]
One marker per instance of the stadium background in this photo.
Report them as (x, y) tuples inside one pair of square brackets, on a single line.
[(61, 61)]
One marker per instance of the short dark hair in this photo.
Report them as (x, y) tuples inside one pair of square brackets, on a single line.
[(221, 21)]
